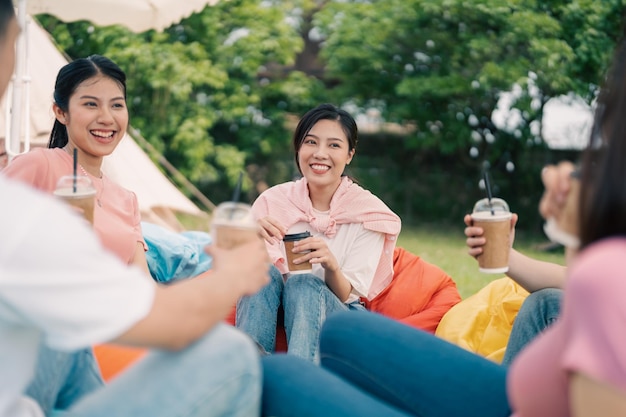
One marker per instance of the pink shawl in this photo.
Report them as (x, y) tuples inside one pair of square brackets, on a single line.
[(289, 203)]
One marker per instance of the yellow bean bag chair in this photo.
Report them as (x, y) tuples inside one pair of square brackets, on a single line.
[(482, 322)]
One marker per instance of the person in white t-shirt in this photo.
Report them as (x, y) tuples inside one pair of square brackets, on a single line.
[(58, 286)]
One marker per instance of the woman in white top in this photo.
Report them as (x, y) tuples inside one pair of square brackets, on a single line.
[(351, 247)]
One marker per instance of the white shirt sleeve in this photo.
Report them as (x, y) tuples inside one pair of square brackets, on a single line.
[(55, 275)]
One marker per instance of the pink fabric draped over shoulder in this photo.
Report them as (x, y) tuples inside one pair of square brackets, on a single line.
[(289, 203)]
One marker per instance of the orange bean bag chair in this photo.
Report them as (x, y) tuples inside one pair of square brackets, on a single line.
[(419, 295), (113, 359)]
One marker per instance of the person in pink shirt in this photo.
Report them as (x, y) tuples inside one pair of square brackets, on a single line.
[(372, 366), (91, 118)]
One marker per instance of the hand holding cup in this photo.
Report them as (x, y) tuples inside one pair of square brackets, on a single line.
[(289, 241), (493, 216), (475, 240)]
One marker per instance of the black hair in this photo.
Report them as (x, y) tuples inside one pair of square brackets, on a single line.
[(68, 80), (602, 204), (7, 12), (325, 111)]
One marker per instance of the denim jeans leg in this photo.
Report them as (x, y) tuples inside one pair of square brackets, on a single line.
[(295, 387), (219, 375), (307, 302), (410, 369), (539, 310), (62, 378), (257, 313)]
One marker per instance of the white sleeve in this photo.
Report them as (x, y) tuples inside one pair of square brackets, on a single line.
[(55, 275)]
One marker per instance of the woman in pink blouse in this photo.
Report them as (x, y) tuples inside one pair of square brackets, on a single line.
[(91, 118)]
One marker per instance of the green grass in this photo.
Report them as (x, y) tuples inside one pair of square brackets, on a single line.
[(445, 247)]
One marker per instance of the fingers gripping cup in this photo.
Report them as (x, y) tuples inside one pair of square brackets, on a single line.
[(289, 241), (233, 225), (79, 192), (494, 218)]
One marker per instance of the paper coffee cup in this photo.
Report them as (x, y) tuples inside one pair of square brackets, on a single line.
[(494, 218), (289, 241), (233, 225), (79, 192)]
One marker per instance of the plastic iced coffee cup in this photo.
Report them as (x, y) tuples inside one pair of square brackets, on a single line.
[(79, 192), (289, 241), (494, 218), (233, 225)]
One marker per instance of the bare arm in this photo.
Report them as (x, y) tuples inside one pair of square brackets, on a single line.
[(533, 274), (184, 311), (590, 398)]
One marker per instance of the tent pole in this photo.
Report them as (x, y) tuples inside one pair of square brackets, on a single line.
[(146, 146), (13, 147)]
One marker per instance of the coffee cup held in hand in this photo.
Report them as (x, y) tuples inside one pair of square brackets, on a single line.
[(289, 240), (79, 192), (494, 218), (233, 225)]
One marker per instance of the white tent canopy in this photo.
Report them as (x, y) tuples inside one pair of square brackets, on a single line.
[(128, 165), (136, 15)]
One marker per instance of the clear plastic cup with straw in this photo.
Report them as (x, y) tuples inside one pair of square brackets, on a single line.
[(232, 222), (78, 191)]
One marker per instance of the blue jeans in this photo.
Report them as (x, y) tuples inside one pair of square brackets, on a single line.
[(306, 301), (62, 378), (375, 366), (219, 375), (539, 310)]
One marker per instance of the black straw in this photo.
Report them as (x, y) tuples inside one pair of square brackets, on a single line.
[(75, 169), (488, 188), (237, 191), (236, 194)]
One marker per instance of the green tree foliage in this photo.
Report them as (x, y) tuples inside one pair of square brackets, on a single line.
[(441, 67), (214, 93), (443, 64)]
